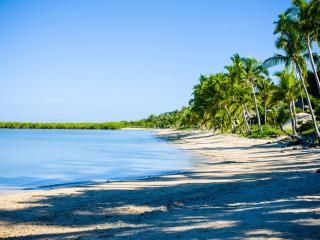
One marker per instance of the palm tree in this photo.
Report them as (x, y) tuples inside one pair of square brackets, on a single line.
[(288, 91), (223, 98), (302, 17), (242, 98), (206, 102), (292, 43), (267, 90), (314, 15), (252, 70)]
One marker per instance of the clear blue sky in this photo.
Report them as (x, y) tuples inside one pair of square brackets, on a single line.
[(120, 59)]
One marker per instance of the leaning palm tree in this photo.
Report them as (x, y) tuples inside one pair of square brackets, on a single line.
[(301, 16), (292, 43), (289, 92)]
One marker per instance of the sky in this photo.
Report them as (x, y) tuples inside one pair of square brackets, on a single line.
[(112, 60)]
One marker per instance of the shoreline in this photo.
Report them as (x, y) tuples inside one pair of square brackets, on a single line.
[(240, 190), (5, 193), (16, 190)]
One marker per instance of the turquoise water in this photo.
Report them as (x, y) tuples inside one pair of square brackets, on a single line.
[(32, 158)]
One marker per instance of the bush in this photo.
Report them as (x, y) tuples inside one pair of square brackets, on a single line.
[(268, 132)]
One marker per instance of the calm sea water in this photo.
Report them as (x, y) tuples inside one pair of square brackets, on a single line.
[(37, 158)]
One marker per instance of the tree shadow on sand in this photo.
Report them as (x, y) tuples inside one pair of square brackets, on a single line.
[(220, 210)]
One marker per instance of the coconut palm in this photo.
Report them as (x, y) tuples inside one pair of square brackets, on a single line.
[(235, 76), (289, 92), (267, 90), (242, 99), (252, 71), (293, 44), (302, 16), (314, 15), (222, 97)]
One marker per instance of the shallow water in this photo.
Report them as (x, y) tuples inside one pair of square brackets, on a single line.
[(32, 158)]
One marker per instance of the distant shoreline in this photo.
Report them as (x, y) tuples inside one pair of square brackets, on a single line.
[(61, 125)]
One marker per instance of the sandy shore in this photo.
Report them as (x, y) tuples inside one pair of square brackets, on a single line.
[(244, 189)]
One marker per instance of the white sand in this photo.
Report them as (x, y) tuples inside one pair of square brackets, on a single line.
[(244, 189)]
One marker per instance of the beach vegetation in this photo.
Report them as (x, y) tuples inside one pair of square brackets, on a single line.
[(30, 125), (245, 98)]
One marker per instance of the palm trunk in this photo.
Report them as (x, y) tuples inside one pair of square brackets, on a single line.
[(232, 122), (314, 68), (294, 131), (316, 130), (237, 123), (257, 109), (248, 130), (294, 114), (236, 119), (300, 88), (265, 113), (246, 111), (302, 102)]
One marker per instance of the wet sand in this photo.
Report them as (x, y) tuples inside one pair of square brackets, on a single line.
[(243, 189)]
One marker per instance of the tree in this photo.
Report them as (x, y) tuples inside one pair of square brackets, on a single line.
[(302, 16), (267, 91), (289, 92), (293, 44), (252, 71)]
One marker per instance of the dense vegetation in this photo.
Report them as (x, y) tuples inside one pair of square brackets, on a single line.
[(244, 98), (106, 125)]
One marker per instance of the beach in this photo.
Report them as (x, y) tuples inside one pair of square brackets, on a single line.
[(243, 189)]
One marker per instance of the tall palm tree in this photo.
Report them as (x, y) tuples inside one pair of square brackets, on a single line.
[(289, 92), (223, 98), (267, 90), (314, 8), (292, 43), (252, 70), (242, 98), (302, 16), (209, 102)]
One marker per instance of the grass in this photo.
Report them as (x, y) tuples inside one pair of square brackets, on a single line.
[(268, 132), (186, 128)]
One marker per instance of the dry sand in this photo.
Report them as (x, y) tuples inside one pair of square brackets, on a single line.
[(243, 189)]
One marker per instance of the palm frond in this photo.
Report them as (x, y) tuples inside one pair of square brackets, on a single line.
[(275, 60)]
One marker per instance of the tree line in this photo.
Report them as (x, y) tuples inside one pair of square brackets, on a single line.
[(40, 125), (245, 98)]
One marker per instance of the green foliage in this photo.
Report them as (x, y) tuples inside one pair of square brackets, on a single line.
[(312, 86), (268, 132), (307, 128), (102, 126), (233, 100)]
